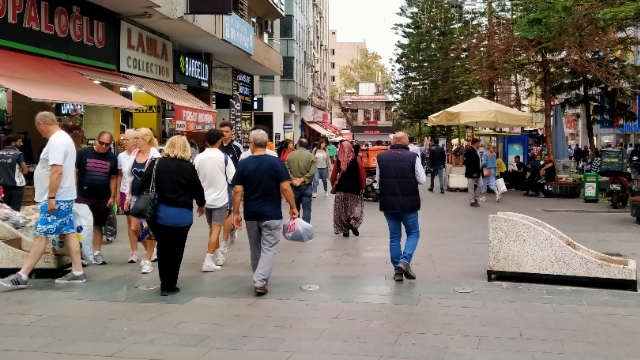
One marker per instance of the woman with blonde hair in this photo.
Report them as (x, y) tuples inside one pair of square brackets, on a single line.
[(490, 165), (177, 185), (123, 185), (146, 150)]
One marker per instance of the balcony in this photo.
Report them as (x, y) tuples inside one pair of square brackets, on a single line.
[(267, 9)]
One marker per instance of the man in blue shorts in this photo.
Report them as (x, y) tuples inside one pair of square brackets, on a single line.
[(55, 188)]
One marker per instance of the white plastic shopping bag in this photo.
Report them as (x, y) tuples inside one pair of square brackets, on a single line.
[(83, 223), (502, 188), (297, 230)]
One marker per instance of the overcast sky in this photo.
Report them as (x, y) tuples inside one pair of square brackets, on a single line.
[(367, 20)]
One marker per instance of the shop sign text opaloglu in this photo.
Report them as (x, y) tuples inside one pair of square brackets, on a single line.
[(63, 23)]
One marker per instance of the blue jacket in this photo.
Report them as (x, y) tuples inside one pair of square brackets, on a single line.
[(398, 184), (489, 163)]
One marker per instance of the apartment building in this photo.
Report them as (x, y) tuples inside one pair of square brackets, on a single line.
[(341, 54), (292, 104)]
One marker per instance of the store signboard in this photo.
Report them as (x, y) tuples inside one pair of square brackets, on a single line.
[(145, 54), (287, 127), (221, 78), (191, 71), (70, 30), (193, 119), (372, 129), (238, 32), (235, 116), (243, 86)]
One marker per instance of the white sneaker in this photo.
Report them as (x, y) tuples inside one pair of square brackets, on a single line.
[(210, 267), (315, 195), (326, 193), (218, 258), (146, 267), (224, 247), (233, 235), (154, 256), (498, 196)]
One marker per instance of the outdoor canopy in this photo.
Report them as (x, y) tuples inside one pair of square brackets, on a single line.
[(480, 112)]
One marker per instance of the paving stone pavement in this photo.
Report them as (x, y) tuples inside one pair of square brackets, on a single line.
[(359, 312)]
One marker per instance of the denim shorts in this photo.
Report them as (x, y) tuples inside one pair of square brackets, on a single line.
[(58, 223)]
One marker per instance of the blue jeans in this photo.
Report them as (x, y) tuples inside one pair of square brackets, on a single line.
[(395, 220), (302, 194), (440, 171), (634, 169), (321, 174), (491, 180)]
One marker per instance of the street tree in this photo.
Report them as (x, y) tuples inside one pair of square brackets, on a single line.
[(367, 67)]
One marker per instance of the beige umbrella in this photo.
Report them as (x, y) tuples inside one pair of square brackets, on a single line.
[(480, 112)]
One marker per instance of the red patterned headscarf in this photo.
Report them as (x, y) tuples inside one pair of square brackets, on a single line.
[(345, 155)]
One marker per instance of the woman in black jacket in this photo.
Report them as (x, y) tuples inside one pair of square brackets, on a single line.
[(349, 179), (177, 185)]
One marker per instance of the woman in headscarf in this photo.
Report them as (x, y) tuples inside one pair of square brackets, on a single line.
[(349, 180)]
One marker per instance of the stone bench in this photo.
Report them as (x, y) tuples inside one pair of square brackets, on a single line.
[(523, 246)]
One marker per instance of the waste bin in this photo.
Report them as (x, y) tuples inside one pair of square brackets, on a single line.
[(591, 183)]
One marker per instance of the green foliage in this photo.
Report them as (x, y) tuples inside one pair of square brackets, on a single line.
[(368, 67)]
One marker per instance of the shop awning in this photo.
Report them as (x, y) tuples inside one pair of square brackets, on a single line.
[(191, 113), (102, 76), (333, 128), (46, 80), (169, 92), (318, 128)]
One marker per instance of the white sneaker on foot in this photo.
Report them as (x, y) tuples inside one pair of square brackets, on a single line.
[(147, 267), (315, 195), (210, 267), (154, 256), (218, 258), (224, 247), (498, 196)]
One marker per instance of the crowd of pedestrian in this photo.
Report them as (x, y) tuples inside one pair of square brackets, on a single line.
[(220, 180)]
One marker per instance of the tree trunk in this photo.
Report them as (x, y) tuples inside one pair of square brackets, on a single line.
[(546, 93), (586, 102)]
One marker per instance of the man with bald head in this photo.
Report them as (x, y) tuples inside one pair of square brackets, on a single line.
[(399, 172)]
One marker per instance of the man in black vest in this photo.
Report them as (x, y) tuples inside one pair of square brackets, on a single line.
[(399, 172), (473, 172), (12, 168)]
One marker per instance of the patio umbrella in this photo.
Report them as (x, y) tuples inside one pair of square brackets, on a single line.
[(559, 140), (480, 112)]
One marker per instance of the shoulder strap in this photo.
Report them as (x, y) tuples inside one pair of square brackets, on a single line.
[(226, 163), (152, 189)]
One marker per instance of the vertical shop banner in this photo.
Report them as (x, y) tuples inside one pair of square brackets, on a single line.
[(235, 116), (70, 30)]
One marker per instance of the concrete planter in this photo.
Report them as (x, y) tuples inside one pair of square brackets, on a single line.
[(15, 247), (520, 245)]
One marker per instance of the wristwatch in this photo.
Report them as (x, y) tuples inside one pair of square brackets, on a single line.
[(51, 198)]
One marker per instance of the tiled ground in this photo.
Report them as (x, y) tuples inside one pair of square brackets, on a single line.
[(357, 314)]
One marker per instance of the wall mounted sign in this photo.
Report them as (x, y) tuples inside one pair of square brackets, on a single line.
[(191, 71), (238, 32), (372, 129), (287, 127), (70, 30), (221, 78), (197, 117), (145, 54), (66, 108), (235, 116), (209, 7), (243, 85)]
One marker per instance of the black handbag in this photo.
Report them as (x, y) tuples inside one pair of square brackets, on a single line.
[(147, 204)]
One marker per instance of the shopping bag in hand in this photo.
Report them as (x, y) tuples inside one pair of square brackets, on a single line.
[(297, 230), (502, 188)]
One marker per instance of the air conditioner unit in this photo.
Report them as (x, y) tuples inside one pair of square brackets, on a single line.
[(333, 83), (266, 25)]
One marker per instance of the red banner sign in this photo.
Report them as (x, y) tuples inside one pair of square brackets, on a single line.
[(194, 119)]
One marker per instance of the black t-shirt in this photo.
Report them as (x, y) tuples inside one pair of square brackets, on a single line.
[(260, 176), (94, 173), (550, 174), (233, 151), (522, 166)]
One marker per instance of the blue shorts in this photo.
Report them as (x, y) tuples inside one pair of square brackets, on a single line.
[(58, 223)]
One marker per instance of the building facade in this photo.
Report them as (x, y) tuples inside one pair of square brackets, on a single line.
[(341, 54), (285, 104)]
